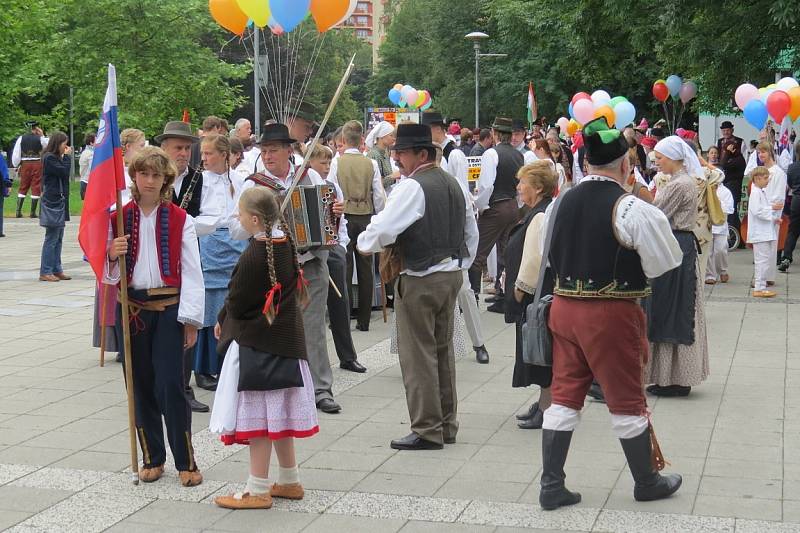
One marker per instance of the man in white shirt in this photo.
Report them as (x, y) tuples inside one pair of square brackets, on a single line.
[(454, 162), (276, 152), (27, 158), (436, 243), (496, 197), (85, 162), (605, 246), (360, 181)]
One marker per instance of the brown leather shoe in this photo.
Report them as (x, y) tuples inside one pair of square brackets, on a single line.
[(149, 475), (48, 277), (63, 276), (190, 478), (764, 294), (247, 501), (293, 491), (724, 278)]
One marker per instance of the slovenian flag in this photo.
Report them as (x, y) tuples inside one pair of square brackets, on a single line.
[(533, 110), (107, 176)]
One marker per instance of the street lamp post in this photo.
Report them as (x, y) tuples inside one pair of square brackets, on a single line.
[(476, 37)]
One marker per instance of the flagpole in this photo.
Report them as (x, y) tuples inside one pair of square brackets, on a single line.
[(103, 295), (126, 336)]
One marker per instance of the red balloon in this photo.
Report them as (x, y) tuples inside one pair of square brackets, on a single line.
[(778, 105), (580, 96), (660, 91)]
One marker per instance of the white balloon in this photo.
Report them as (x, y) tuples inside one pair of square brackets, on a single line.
[(600, 97), (787, 83)]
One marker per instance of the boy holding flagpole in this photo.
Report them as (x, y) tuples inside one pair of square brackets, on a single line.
[(165, 302)]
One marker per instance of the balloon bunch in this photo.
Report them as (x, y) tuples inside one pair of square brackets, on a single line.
[(674, 86), (584, 107), (776, 100), (280, 15), (407, 96)]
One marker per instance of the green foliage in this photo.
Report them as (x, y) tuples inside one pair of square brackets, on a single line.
[(563, 47), (169, 55)]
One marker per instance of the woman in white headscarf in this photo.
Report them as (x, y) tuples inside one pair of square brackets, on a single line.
[(675, 311), (379, 140)]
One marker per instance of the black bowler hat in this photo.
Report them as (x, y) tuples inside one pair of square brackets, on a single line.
[(603, 143), (726, 124), (413, 136), (518, 125), (275, 132), (433, 118)]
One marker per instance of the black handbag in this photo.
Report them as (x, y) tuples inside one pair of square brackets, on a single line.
[(260, 371), (53, 213), (537, 341)]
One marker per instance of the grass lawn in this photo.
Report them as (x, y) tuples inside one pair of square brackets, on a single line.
[(10, 204)]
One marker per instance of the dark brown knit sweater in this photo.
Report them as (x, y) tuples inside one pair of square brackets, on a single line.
[(242, 317)]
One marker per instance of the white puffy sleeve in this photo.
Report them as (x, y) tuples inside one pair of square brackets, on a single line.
[(646, 229), (191, 308), (488, 174)]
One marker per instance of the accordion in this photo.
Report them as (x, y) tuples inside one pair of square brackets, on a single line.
[(309, 213)]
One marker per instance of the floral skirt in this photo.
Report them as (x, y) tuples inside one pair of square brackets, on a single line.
[(240, 416)]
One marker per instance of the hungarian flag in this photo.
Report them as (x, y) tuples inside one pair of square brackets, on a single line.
[(533, 110), (106, 177)]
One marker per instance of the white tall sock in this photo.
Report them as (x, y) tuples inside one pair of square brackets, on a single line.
[(288, 476), (257, 485)]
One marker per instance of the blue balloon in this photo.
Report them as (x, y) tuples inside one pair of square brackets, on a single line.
[(755, 113), (674, 83), (289, 13), (394, 96), (571, 113)]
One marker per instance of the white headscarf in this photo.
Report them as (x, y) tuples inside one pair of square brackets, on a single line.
[(381, 130), (676, 149)]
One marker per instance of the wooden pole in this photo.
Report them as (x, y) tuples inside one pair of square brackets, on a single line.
[(126, 343), (302, 168), (103, 294)]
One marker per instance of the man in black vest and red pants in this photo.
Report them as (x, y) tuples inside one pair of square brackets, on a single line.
[(496, 197), (427, 215), (605, 246), (27, 157)]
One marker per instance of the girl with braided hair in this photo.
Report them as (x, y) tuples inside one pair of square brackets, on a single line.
[(259, 329)]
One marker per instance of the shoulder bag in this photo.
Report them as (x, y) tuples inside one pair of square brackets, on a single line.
[(261, 371), (537, 341)]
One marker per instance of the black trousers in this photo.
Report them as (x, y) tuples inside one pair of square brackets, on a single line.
[(794, 229), (158, 386), (494, 224), (339, 306), (356, 224), (735, 186)]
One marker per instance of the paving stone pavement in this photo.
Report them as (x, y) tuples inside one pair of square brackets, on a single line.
[(63, 433)]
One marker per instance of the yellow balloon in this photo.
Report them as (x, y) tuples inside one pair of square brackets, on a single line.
[(257, 10), (771, 86), (605, 111), (572, 127)]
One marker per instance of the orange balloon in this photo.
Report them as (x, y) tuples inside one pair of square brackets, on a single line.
[(573, 127), (329, 13), (794, 97), (228, 15), (605, 111)]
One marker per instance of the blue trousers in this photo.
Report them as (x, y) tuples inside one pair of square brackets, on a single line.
[(51, 251)]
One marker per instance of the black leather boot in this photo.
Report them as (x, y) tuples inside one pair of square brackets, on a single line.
[(555, 445), (481, 355), (20, 203), (650, 485), (34, 204)]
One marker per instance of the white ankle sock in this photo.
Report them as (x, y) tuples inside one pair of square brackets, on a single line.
[(288, 476), (257, 485)]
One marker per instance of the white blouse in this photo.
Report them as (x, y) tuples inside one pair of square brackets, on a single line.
[(762, 220), (147, 272), (217, 202)]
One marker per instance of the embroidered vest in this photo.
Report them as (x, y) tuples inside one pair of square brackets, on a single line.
[(169, 237)]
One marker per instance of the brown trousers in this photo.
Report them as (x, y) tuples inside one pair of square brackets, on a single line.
[(425, 308), (494, 224)]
